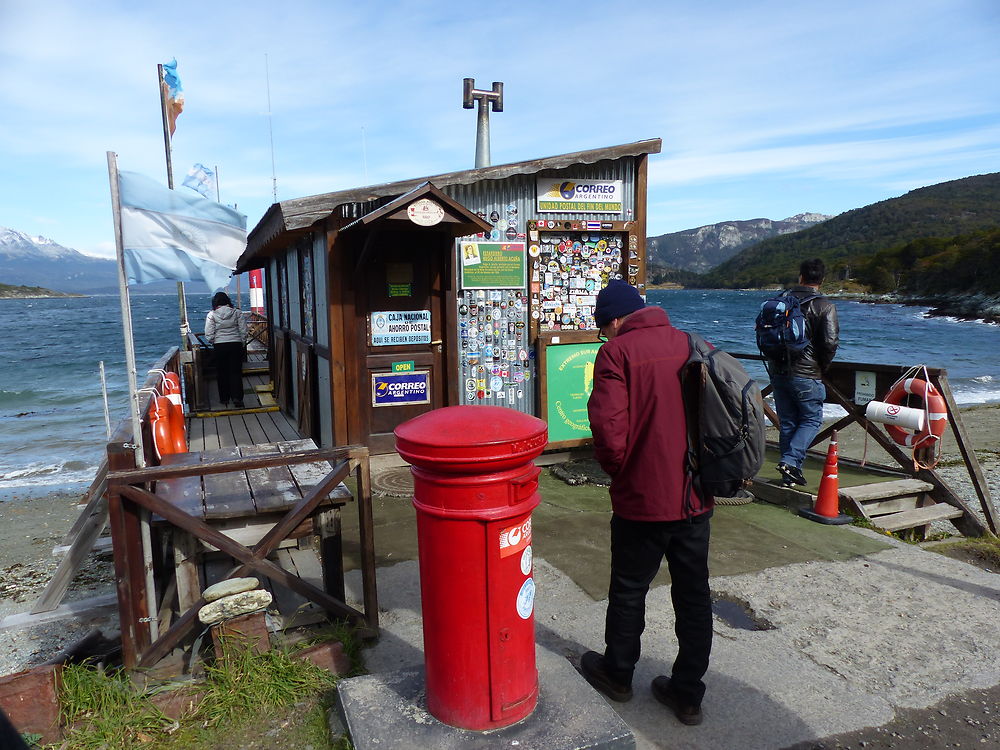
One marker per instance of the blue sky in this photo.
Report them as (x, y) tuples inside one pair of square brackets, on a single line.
[(766, 109)]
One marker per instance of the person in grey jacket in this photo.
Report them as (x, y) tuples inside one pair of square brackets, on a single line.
[(226, 330)]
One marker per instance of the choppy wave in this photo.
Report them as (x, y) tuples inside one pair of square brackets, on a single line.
[(39, 474)]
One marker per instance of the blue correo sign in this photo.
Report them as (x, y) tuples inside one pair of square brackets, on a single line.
[(401, 388)]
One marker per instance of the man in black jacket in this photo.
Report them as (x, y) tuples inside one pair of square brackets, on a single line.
[(797, 385)]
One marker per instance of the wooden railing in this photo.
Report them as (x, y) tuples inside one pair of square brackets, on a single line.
[(840, 381), (137, 604)]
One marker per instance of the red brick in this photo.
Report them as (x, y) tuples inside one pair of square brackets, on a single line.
[(176, 703), (329, 655), (30, 700), (250, 630)]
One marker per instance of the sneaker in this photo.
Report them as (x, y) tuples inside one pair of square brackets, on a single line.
[(791, 474), (686, 713), (596, 673)]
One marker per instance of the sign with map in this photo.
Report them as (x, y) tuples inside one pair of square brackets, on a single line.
[(569, 374)]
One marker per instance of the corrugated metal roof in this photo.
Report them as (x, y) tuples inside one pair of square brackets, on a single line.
[(299, 214)]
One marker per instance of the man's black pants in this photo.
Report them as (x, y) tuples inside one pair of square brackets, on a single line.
[(637, 548)]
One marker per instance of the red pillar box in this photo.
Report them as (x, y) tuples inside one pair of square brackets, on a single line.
[(474, 489)]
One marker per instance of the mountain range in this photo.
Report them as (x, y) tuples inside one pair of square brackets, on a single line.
[(953, 209), (38, 261), (702, 249), (953, 224)]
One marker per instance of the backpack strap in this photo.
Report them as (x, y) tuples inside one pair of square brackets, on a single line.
[(691, 376)]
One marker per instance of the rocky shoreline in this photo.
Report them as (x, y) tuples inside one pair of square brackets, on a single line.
[(976, 307)]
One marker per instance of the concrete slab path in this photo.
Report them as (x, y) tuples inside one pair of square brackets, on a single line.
[(857, 625)]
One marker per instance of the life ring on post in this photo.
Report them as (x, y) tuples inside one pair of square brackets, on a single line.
[(168, 431), (935, 412)]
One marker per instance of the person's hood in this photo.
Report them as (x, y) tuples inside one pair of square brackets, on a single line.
[(223, 313)]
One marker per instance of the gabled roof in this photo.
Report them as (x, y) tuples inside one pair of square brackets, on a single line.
[(459, 220), (297, 215)]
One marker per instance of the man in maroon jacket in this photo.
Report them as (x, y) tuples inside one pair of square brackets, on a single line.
[(637, 417)]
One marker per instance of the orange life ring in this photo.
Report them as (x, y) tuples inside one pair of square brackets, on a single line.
[(171, 388), (934, 407), (167, 424)]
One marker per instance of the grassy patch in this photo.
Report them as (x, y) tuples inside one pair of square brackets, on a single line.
[(983, 552), (249, 700)]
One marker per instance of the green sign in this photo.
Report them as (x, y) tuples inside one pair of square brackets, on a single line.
[(569, 379), (493, 265), (403, 366)]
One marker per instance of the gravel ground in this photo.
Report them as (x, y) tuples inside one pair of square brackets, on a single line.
[(29, 528), (970, 719)]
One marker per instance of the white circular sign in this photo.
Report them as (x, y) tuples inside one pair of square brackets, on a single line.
[(425, 212), (526, 599), (526, 561)]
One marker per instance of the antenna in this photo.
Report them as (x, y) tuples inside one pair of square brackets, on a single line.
[(364, 152), (270, 128), (486, 99)]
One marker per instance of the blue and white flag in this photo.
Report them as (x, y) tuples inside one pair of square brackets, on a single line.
[(168, 234), (202, 179)]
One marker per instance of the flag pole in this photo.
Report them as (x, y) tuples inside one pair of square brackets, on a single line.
[(181, 300), (123, 295), (166, 125)]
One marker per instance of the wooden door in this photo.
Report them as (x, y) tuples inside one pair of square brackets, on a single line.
[(401, 298)]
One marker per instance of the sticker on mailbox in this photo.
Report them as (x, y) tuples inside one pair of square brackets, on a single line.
[(513, 539), (526, 599)]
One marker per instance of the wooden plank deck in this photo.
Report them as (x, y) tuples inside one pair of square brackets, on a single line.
[(228, 430)]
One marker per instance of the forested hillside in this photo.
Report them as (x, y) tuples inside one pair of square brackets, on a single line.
[(934, 266), (850, 241)]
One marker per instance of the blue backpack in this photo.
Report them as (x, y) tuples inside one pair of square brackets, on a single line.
[(781, 327)]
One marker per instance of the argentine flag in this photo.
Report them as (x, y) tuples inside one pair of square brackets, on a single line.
[(181, 236)]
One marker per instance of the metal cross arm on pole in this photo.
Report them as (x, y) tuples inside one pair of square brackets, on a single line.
[(486, 99)]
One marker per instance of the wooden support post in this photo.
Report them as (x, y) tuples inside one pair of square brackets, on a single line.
[(331, 551), (366, 531), (186, 557), (123, 518), (971, 461)]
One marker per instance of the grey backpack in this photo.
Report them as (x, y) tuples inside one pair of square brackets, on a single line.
[(725, 421)]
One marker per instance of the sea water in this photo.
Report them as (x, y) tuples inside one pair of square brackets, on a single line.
[(52, 430)]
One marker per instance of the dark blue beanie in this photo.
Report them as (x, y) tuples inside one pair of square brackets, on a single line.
[(616, 300)]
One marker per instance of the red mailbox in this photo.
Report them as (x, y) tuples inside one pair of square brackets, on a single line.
[(475, 485)]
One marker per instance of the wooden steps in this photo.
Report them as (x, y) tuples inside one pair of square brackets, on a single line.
[(898, 505)]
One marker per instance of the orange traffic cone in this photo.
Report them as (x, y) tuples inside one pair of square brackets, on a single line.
[(827, 508)]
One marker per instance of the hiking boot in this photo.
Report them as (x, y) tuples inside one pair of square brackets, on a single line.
[(686, 713), (791, 474), (596, 673)]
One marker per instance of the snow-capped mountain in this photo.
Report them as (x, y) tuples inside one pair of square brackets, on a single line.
[(39, 261)]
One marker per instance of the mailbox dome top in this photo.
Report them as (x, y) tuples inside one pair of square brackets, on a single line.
[(471, 438)]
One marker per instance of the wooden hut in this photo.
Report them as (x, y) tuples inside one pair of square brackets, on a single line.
[(474, 287)]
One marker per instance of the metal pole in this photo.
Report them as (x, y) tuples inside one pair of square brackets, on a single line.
[(170, 184), (483, 135), (486, 99), (270, 128), (182, 304), (116, 210), (104, 393), (166, 126)]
